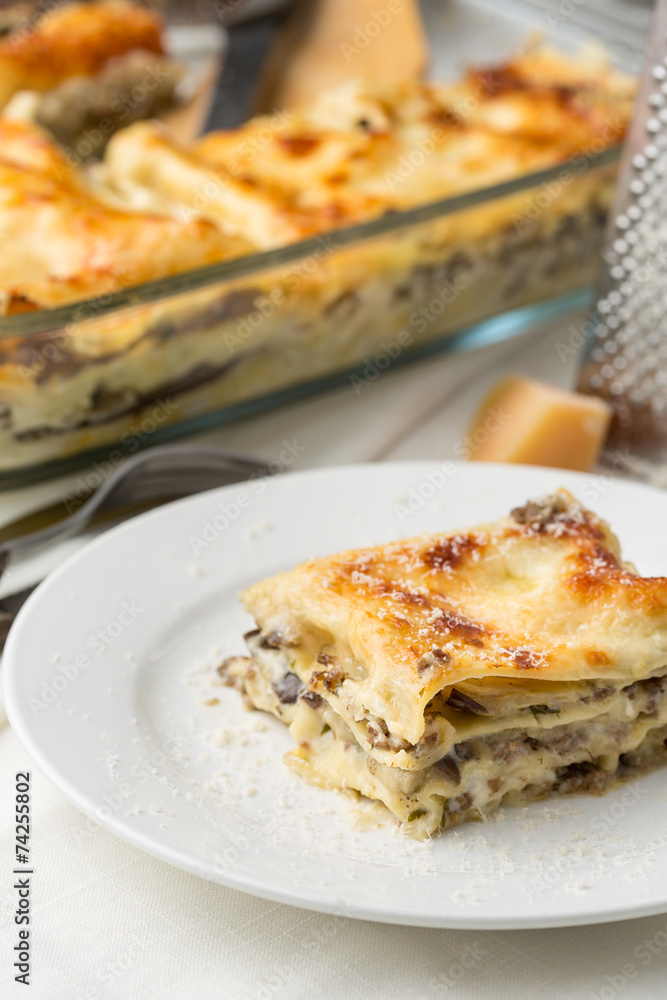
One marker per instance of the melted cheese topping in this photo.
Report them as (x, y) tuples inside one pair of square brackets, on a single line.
[(363, 149), (541, 596), (75, 39), (65, 243)]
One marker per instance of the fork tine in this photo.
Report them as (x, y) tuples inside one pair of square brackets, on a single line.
[(168, 470)]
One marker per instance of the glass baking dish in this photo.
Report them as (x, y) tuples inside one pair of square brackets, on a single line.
[(104, 377)]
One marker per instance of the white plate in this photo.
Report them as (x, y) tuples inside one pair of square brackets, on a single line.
[(150, 608)]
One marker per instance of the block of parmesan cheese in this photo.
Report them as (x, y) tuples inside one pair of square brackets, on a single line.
[(522, 420)]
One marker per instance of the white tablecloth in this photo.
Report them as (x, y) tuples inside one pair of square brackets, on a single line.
[(110, 922)]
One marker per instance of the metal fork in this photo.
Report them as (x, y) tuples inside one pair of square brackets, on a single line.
[(151, 478)]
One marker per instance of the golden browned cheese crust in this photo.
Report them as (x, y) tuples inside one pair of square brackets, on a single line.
[(74, 40), (363, 149), (539, 596), (359, 152), (60, 242)]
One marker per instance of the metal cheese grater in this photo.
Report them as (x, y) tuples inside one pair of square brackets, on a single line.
[(626, 357)]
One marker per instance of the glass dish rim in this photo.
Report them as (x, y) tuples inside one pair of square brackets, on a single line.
[(83, 310)]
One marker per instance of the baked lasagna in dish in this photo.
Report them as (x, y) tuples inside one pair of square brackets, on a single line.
[(447, 674), (91, 378)]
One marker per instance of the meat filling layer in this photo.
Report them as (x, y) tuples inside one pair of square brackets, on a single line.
[(477, 773)]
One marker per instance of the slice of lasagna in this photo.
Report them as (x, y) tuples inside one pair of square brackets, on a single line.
[(447, 674)]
